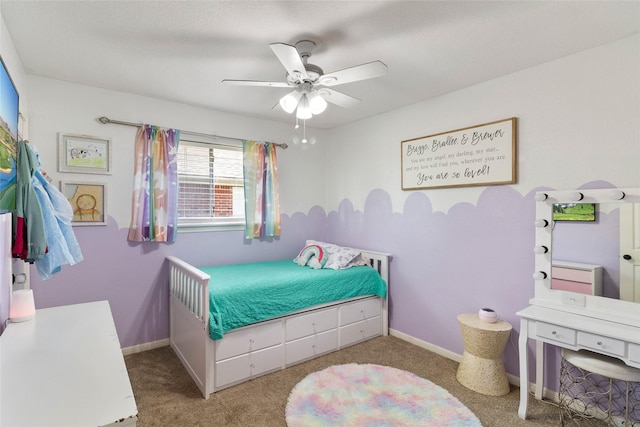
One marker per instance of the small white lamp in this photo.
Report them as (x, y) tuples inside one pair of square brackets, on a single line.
[(22, 307)]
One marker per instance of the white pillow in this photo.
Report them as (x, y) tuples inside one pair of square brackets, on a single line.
[(340, 257)]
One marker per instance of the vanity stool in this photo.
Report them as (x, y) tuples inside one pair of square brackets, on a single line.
[(596, 386), (481, 368)]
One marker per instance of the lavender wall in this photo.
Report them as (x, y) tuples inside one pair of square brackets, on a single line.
[(133, 277), (443, 265)]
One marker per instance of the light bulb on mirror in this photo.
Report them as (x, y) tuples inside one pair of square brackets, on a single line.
[(576, 197), (541, 197), (541, 223), (539, 275), (616, 195), (541, 250)]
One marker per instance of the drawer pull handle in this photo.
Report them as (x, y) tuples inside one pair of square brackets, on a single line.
[(599, 343), (554, 333)]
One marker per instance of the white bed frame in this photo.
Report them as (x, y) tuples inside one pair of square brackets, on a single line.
[(251, 351)]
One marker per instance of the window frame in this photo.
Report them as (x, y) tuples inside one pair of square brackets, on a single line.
[(186, 224)]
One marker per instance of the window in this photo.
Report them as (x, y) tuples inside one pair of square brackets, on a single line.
[(210, 185)]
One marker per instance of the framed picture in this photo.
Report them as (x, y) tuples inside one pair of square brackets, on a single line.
[(484, 154), (9, 102), (84, 154), (88, 200)]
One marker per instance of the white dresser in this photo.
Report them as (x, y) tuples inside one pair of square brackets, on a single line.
[(65, 368)]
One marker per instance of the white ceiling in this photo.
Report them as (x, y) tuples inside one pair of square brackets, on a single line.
[(181, 50)]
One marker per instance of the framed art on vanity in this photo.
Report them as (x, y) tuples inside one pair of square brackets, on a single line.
[(84, 154), (88, 200)]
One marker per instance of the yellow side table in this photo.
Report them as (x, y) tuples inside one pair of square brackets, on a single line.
[(481, 368)]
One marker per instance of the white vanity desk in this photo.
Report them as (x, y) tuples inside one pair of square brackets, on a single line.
[(572, 331), (570, 320)]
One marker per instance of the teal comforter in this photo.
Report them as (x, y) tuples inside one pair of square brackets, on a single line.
[(243, 294)]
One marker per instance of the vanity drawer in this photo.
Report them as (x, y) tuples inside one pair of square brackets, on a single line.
[(556, 333), (634, 353), (601, 344)]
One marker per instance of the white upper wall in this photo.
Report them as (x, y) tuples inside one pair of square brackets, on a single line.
[(70, 108), (578, 120)]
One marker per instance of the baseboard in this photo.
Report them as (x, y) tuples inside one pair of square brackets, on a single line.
[(426, 345), (514, 380), (144, 347)]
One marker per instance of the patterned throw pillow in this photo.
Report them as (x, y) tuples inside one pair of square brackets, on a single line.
[(340, 257)]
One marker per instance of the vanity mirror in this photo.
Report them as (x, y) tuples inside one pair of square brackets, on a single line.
[(590, 268)]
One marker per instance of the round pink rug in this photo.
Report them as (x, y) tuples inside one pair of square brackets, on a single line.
[(373, 395)]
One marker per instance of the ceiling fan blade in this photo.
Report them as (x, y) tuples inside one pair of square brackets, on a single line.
[(256, 83), (366, 71), (338, 98), (290, 59)]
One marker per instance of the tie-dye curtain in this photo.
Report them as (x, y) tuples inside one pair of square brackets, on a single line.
[(155, 193), (262, 201)]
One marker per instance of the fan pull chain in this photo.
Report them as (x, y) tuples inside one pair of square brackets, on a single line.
[(304, 131)]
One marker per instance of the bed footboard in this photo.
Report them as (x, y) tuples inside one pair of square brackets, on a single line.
[(189, 320)]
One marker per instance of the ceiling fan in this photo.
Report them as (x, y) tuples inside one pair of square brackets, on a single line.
[(312, 87)]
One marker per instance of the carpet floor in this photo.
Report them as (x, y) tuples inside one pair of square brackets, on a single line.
[(166, 395)]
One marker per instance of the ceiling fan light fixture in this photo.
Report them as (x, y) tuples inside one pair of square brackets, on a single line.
[(317, 103), (304, 110), (290, 101)]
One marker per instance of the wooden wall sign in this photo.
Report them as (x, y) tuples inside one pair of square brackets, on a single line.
[(477, 155)]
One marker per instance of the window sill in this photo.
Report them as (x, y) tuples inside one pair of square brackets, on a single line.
[(198, 228)]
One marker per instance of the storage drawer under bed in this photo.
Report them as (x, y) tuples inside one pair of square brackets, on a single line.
[(360, 310), (311, 346), (249, 339), (248, 365), (360, 331), (310, 324)]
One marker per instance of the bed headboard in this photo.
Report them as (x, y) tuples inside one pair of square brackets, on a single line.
[(379, 261)]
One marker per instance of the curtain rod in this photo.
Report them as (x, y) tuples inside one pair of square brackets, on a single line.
[(106, 120)]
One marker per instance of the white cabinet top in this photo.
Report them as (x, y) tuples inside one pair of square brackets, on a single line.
[(65, 368)]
